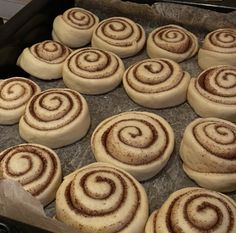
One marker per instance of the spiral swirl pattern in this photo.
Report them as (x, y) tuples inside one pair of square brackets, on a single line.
[(79, 18), (50, 52), (74, 23), (55, 117), (193, 210), (221, 138), (138, 142), (215, 86), (35, 167), (156, 83), (119, 35), (15, 92), (218, 85), (44, 60), (221, 40), (102, 198), (172, 42), (219, 48), (93, 71), (209, 146), (57, 106)]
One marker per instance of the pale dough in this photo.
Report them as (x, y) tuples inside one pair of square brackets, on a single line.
[(192, 210), (213, 93), (93, 71), (156, 83), (15, 93), (102, 198), (74, 27), (55, 118), (44, 60), (36, 167), (172, 42), (129, 141), (208, 153), (119, 35), (219, 48)]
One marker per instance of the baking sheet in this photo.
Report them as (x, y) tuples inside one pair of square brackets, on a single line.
[(172, 177)]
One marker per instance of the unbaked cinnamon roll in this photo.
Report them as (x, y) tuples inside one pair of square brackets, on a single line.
[(15, 92), (102, 198), (139, 142), (194, 210), (208, 153), (55, 118), (74, 27), (44, 60), (156, 83), (92, 71), (213, 93), (119, 35), (172, 42), (219, 48), (36, 167)]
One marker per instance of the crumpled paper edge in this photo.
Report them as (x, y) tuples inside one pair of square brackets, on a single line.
[(17, 204), (161, 13)]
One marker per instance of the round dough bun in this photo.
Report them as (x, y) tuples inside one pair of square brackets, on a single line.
[(93, 71), (44, 60), (208, 153), (15, 93), (213, 93), (172, 42), (156, 83), (219, 48), (74, 27), (119, 35), (55, 118), (102, 198), (194, 210), (36, 167), (141, 143)]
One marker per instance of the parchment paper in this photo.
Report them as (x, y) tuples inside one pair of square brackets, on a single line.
[(18, 204), (172, 177)]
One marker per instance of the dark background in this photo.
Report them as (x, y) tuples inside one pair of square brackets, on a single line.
[(34, 24)]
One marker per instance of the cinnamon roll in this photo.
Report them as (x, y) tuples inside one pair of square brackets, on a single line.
[(172, 42), (74, 27), (213, 93), (119, 35), (138, 142), (208, 153), (219, 48), (15, 92), (55, 118), (156, 83), (192, 210), (92, 71), (44, 60), (36, 167), (102, 198)]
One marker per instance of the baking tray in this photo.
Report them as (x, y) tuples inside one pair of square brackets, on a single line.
[(11, 226), (34, 22), (217, 5), (30, 25), (172, 177)]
